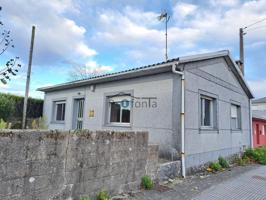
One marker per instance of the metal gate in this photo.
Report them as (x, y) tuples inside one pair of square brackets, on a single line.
[(78, 113)]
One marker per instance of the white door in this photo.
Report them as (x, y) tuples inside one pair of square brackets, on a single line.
[(78, 113)]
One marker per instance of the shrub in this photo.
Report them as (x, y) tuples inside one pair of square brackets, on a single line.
[(258, 155), (102, 195), (40, 123), (84, 198), (7, 106), (146, 182), (223, 162), (3, 124), (242, 161), (215, 166), (11, 106)]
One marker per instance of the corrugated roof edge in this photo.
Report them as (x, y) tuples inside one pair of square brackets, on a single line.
[(259, 114), (184, 59), (260, 100)]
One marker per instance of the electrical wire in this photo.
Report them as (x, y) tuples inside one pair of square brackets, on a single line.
[(255, 23), (258, 27)]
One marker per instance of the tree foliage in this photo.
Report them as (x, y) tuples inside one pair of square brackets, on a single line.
[(7, 106), (11, 106), (11, 67)]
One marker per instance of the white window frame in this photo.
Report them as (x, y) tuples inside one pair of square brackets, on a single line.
[(202, 114), (119, 99), (56, 103), (237, 117)]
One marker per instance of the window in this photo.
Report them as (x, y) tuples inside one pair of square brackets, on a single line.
[(119, 109), (207, 112), (60, 107), (235, 117)]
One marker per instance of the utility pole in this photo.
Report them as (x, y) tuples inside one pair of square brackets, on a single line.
[(28, 79), (165, 16), (241, 49)]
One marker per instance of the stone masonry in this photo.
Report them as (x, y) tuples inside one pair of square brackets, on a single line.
[(45, 165)]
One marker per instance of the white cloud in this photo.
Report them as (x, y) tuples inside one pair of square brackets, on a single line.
[(143, 41), (182, 10), (57, 36), (224, 23), (227, 3), (94, 67), (258, 87)]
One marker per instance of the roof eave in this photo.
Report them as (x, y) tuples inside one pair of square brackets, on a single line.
[(113, 77)]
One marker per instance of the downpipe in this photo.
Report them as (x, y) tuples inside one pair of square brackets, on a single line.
[(251, 125), (182, 114)]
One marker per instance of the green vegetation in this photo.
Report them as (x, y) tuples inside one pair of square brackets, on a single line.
[(147, 183), (11, 106), (102, 195), (223, 162), (242, 161), (258, 155), (7, 106), (215, 166), (3, 124), (84, 198), (40, 123)]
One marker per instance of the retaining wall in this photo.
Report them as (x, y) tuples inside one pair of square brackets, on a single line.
[(65, 165)]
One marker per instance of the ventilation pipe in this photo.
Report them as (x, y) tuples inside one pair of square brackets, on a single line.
[(175, 71)]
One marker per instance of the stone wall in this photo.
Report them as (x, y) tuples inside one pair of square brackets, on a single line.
[(65, 165)]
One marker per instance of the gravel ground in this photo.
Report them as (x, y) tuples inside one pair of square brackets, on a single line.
[(186, 189)]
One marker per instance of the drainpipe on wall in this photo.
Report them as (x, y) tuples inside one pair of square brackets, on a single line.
[(182, 117), (251, 125)]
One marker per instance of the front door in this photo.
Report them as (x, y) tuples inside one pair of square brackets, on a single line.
[(78, 113), (258, 133)]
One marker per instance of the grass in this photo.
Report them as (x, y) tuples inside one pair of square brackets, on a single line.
[(84, 198), (258, 155), (102, 195), (215, 166), (147, 183), (223, 162)]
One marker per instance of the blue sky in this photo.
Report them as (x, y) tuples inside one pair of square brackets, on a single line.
[(109, 36)]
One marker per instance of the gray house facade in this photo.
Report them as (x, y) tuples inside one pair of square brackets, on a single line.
[(195, 107)]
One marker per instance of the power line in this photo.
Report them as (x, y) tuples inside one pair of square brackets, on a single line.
[(255, 23), (258, 27)]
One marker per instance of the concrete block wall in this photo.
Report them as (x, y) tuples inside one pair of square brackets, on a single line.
[(64, 165)]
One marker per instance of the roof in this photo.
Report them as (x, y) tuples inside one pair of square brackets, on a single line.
[(259, 114), (261, 100), (153, 69)]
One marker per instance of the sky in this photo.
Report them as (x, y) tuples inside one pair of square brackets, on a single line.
[(112, 35)]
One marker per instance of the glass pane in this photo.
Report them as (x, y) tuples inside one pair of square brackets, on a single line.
[(125, 116), (202, 111), (115, 112), (207, 112), (59, 112), (63, 111), (234, 111), (234, 123)]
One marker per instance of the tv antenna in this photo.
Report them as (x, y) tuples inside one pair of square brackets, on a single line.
[(165, 17)]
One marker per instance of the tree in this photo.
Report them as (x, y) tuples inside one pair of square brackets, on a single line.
[(11, 66), (81, 72)]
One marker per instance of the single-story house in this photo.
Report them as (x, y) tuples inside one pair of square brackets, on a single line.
[(195, 107), (259, 122)]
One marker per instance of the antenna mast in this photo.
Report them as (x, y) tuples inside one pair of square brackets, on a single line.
[(164, 16)]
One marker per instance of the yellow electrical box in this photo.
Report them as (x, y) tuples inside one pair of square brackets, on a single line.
[(91, 113)]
